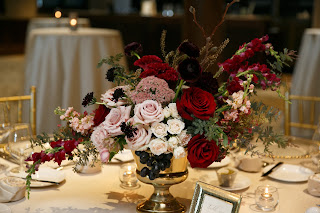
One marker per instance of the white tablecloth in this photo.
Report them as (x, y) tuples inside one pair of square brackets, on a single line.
[(306, 78), (36, 23), (62, 65), (101, 192)]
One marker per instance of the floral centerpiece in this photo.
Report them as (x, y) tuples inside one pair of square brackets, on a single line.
[(172, 107)]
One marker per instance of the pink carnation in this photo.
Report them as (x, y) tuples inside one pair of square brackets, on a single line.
[(152, 88)]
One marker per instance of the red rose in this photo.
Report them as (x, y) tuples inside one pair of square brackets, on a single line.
[(197, 102), (201, 152), (100, 114)]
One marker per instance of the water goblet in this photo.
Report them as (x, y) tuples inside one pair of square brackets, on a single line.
[(20, 145), (4, 123)]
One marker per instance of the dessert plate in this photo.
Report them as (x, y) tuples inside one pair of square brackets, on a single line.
[(224, 162), (289, 173), (122, 157), (45, 174), (241, 182)]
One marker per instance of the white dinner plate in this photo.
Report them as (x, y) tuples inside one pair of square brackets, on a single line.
[(224, 162), (289, 173), (4, 208), (44, 173), (123, 157), (241, 182)]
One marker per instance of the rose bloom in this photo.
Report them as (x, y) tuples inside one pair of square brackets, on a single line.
[(202, 152), (147, 112), (179, 152), (175, 126), (158, 146), (184, 138), (104, 155), (159, 129), (141, 138), (100, 114), (173, 143), (108, 97), (173, 110), (98, 136), (115, 118), (197, 102)]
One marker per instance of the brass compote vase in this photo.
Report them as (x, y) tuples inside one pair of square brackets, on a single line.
[(162, 200)]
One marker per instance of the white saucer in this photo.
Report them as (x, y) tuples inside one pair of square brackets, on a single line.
[(4, 208), (44, 173), (123, 157), (224, 162), (289, 173), (241, 182)]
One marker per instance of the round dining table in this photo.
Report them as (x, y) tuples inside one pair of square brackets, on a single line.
[(62, 64), (101, 192)]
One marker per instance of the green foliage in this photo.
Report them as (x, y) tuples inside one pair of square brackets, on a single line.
[(113, 61), (30, 171)]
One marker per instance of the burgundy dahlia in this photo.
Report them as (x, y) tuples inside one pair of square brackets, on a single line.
[(208, 83), (190, 70), (190, 49), (132, 47)]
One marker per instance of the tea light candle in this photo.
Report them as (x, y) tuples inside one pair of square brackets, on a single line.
[(58, 14), (128, 177), (266, 197), (73, 23)]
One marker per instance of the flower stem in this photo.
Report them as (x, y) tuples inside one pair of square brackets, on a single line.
[(136, 54), (178, 90)]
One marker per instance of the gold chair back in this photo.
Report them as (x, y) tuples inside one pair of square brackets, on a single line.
[(302, 123), (19, 99)]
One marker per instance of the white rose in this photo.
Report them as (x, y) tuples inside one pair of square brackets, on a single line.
[(158, 146), (166, 112), (179, 152), (159, 129), (173, 143), (184, 138), (175, 126), (173, 110)]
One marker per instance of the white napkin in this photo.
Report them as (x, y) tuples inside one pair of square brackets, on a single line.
[(12, 189), (248, 163)]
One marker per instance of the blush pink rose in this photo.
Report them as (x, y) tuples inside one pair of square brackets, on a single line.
[(140, 139), (104, 155), (98, 137), (148, 112), (114, 119)]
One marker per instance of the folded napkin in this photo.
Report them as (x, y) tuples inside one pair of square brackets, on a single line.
[(314, 185), (88, 169), (12, 189)]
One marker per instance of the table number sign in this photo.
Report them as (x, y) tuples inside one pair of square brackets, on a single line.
[(211, 199)]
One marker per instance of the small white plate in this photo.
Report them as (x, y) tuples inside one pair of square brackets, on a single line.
[(289, 173), (241, 182), (44, 173), (122, 157), (224, 162), (4, 208)]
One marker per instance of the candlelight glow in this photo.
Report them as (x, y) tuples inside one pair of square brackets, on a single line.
[(73, 22), (57, 14)]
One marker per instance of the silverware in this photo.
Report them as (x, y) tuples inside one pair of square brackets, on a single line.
[(36, 180), (270, 170)]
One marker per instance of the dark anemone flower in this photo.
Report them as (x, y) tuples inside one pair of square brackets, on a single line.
[(128, 129), (110, 74), (132, 47), (118, 93), (190, 49), (88, 100), (208, 83), (190, 70)]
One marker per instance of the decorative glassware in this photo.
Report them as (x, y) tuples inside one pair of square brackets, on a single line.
[(4, 123), (162, 200), (316, 156), (19, 144), (267, 197), (128, 177)]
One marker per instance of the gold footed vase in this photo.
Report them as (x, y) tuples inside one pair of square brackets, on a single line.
[(162, 200)]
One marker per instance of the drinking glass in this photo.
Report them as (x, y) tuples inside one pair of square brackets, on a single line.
[(316, 155), (4, 123), (20, 145)]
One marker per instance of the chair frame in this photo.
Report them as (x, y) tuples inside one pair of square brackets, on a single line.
[(301, 124), (19, 99)]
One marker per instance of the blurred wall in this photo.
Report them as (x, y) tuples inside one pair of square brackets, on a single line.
[(20, 8)]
